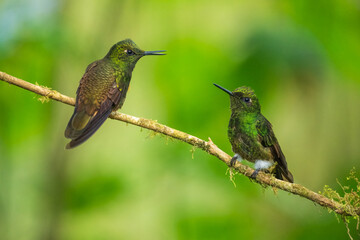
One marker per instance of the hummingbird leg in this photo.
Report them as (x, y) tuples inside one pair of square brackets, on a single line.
[(255, 173), (235, 158)]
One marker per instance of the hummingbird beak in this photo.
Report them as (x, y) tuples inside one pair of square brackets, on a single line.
[(155, 52), (224, 89)]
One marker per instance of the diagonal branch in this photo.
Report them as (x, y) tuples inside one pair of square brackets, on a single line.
[(207, 146)]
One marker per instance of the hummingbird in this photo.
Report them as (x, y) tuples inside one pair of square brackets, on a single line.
[(103, 89), (251, 135)]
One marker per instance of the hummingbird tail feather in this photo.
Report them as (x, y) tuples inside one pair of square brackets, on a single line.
[(77, 124), (283, 174), (90, 129)]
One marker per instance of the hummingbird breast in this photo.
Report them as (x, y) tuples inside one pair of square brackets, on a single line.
[(243, 136)]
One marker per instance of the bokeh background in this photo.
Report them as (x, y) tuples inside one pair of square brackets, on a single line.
[(301, 57)]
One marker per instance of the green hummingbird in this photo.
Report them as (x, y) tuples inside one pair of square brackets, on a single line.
[(251, 135), (103, 89)]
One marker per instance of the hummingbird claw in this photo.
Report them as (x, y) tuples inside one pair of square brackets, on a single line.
[(235, 158), (233, 161), (255, 173)]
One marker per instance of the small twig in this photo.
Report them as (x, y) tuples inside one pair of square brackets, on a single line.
[(347, 229), (207, 146)]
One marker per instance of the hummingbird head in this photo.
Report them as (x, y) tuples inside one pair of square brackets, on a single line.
[(126, 53), (242, 99)]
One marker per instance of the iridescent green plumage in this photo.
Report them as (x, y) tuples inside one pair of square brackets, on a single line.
[(103, 89), (251, 135)]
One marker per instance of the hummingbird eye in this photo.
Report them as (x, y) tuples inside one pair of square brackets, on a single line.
[(129, 52), (246, 99)]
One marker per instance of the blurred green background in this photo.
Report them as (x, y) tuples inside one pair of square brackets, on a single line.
[(301, 57)]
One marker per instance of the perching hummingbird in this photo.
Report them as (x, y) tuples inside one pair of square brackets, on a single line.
[(251, 135), (102, 89)]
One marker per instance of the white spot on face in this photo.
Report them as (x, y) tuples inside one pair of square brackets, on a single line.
[(262, 164)]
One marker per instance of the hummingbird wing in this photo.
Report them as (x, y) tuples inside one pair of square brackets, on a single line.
[(89, 115), (97, 120), (267, 138)]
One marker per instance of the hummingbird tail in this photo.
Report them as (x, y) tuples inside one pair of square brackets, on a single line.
[(77, 124), (283, 174), (89, 130)]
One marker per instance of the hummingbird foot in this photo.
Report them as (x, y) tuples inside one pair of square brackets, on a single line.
[(235, 158), (255, 173)]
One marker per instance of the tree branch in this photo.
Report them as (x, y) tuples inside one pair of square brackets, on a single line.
[(207, 146)]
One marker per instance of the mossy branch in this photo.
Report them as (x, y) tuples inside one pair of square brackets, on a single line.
[(344, 209)]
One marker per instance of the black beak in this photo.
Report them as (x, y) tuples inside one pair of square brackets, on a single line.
[(224, 89), (155, 52)]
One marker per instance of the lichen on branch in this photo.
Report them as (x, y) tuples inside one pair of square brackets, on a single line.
[(349, 199)]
